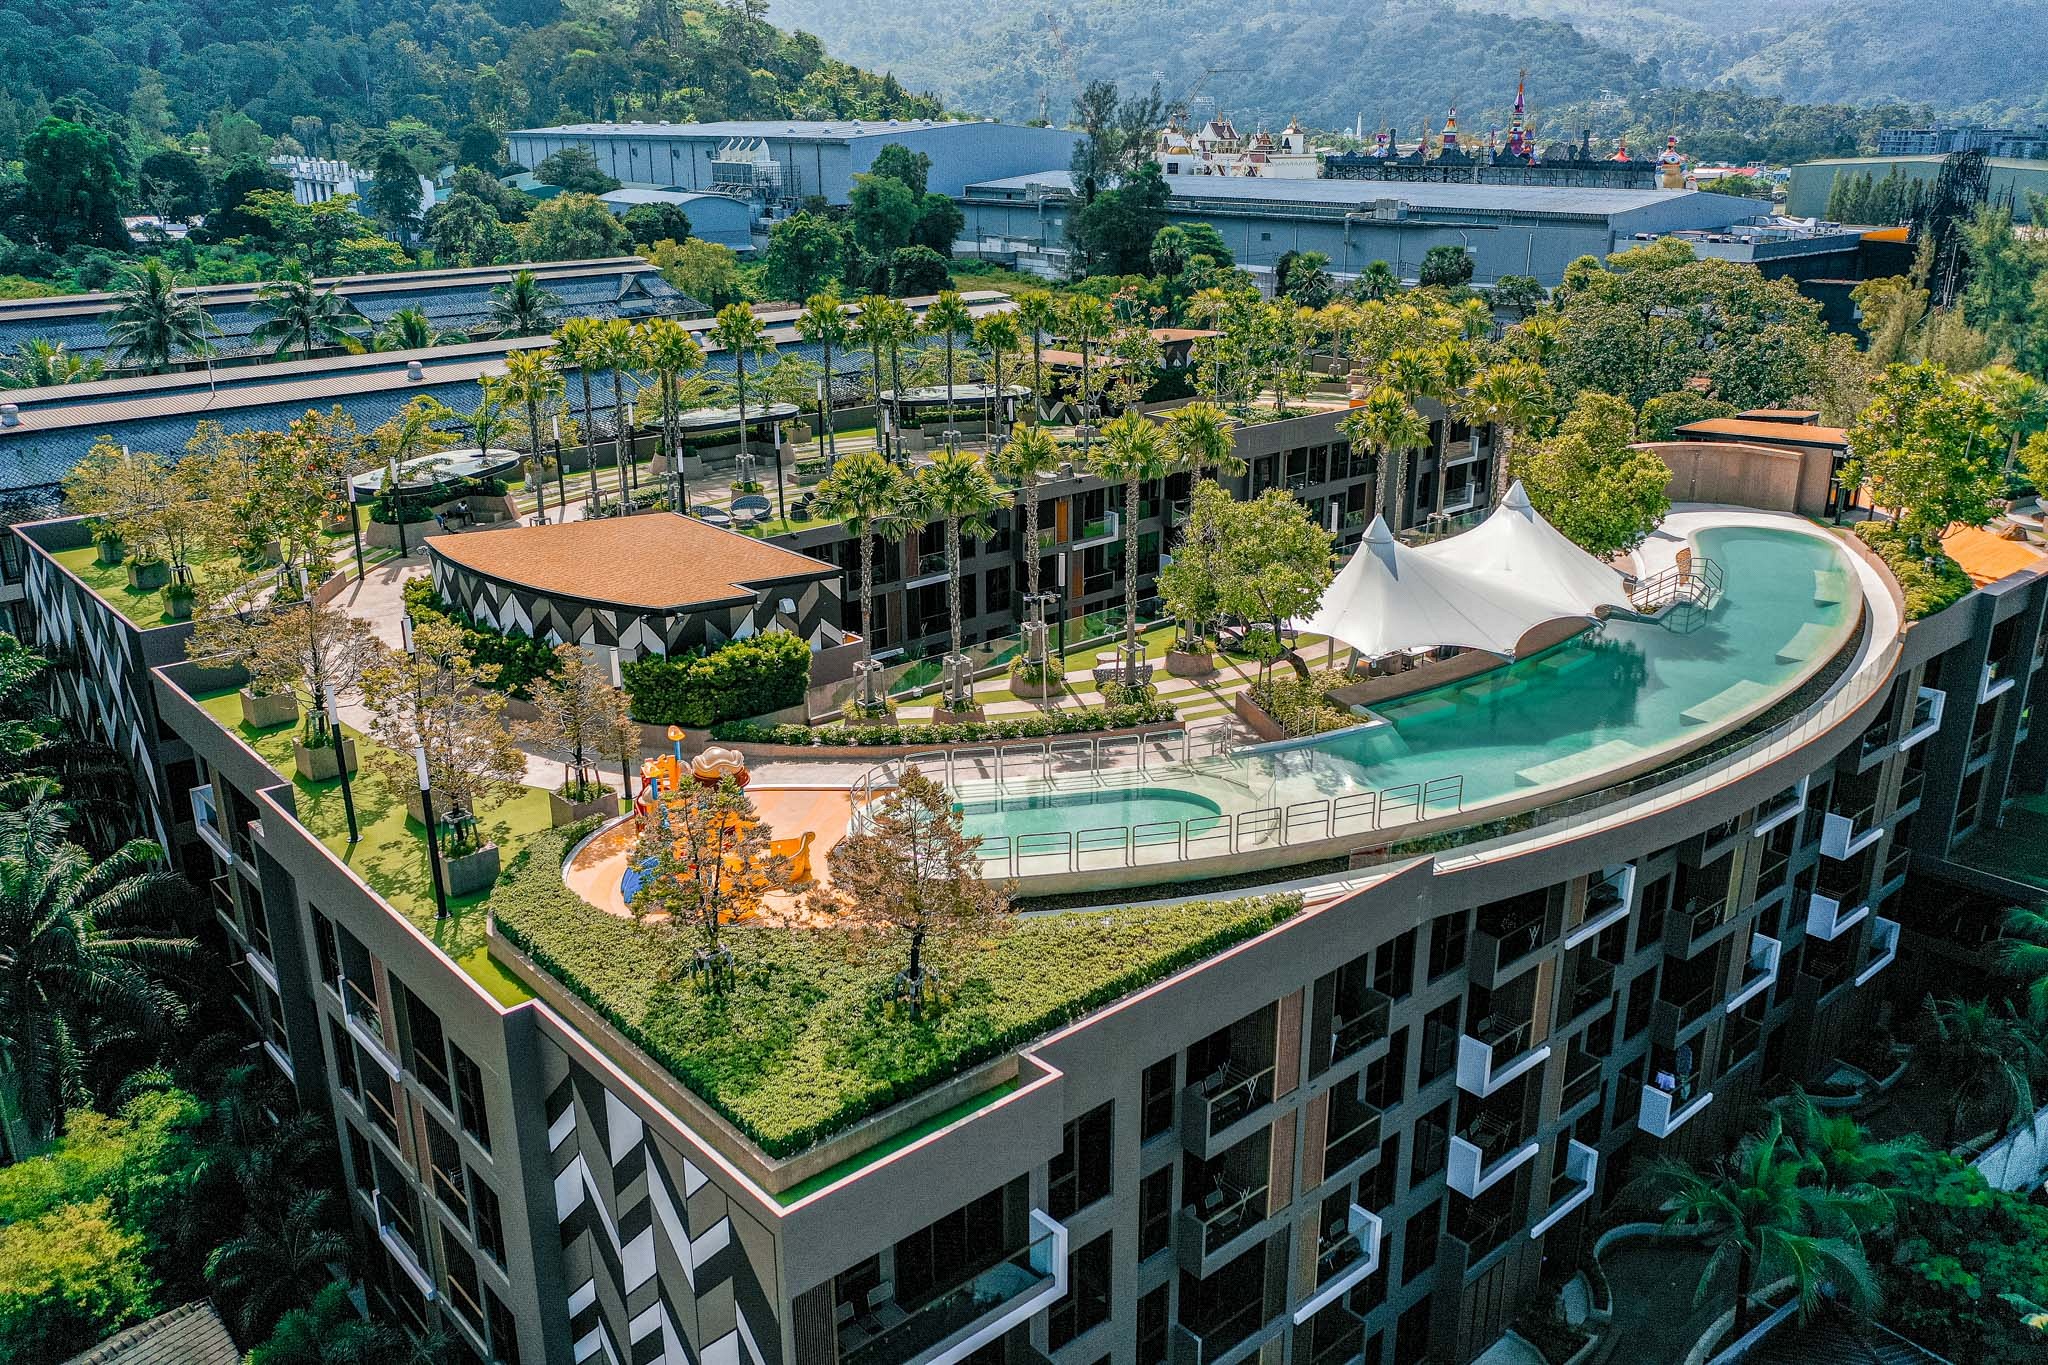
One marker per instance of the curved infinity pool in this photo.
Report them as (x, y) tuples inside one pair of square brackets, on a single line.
[(1620, 693)]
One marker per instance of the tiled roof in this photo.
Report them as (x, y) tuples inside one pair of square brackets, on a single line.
[(1777, 433), (191, 1335), (656, 562)]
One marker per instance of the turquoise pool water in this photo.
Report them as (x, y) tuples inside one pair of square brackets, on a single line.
[(1617, 694)]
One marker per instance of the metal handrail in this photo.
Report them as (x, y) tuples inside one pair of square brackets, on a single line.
[(1699, 581)]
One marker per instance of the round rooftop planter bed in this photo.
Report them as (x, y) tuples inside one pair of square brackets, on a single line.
[(470, 873), (109, 551), (1035, 684), (1190, 663), (268, 710), (563, 811), (318, 763), (146, 574)]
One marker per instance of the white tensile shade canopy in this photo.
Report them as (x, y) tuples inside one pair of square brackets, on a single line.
[(1390, 597), (1515, 545)]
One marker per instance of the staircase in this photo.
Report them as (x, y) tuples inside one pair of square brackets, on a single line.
[(1691, 581)]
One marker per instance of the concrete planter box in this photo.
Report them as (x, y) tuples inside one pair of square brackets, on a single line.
[(268, 710), (472, 872), (109, 551), (971, 715), (493, 507), (1036, 691), (320, 765), (145, 574), (562, 811), (383, 535), (1186, 664), (178, 603)]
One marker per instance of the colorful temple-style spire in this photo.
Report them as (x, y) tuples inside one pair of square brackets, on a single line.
[(1520, 143), (1450, 139)]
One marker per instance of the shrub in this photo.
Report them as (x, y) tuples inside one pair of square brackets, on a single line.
[(1297, 705), (1031, 726), (520, 660), (69, 1278), (742, 678), (1929, 583)]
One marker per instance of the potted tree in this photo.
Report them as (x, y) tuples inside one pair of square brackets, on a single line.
[(114, 489), (578, 711), (298, 654), (431, 703), (1188, 583), (706, 860)]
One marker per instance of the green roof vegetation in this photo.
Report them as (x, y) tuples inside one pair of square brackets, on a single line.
[(1930, 584), (142, 607), (803, 1046)]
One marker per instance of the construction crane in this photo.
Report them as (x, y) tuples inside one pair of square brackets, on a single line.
[(1183, 103)]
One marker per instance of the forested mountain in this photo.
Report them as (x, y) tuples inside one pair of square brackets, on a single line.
[(309, 69)]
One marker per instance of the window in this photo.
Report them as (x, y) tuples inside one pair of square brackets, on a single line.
[(1656, 900), (1393, 967), (1156, 1099), (1446, 944), (1386, 1075), (344, 1060), (429, 1047), (490, 1224), (1376, 1186), (1440, 1039), (465, 1291), (504, 1330), (1155, 1212), (1080, 1174), (1432, 1139), (469, 1091), (378, 1097), (1418, 1242), (1411, 1335), (941, 1253), (327, 947), (1152, 1328), (1641, 993), (1087, 1302), (362, 1171), (444, 1157)]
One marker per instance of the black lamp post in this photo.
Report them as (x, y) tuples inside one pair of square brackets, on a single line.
[(397, 506), (348, 799), (561, 489)]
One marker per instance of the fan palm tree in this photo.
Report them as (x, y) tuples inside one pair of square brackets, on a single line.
[(79, 943), (1988, 1056), (576, 346), (863, 492), (2023, 953), (826, 321), (1201, 437), (1758, 1210), (40, 363), (871, 328), (957, 489), (521, 308), (1509, 397), (675, 359), (409, 329), (1038, 313), (946, 317), (280, 1260), (298, 315), (744, 338), (618, 349), (1377, 281), (1456, 365), (1387, 426), (1028, 456), (152, 322), (532, 382), (1086, 321), (1133, 450), (996, 334)]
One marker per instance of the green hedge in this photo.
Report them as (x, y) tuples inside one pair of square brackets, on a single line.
[(747, 677), (1930, 584), (801, 1048), (520, 659), (1030, 726), (420, 506)]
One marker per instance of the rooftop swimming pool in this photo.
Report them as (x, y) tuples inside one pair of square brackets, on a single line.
[(1627, 691)]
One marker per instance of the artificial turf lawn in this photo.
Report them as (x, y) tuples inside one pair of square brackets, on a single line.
[(142, 607)]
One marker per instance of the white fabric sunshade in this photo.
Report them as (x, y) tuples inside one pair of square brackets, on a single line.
[(1515, 545), (1390, 597)]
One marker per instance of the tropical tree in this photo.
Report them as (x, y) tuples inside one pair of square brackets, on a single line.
[(709, 859), (578, 711), (910, 874), (40, 363), (957, 489), (1087, 322), (1201, 438), (1929, 448), (1986, 1056), (532, 382), (946, 317), (81, 942), (871, 327), (1512, 397), (1758, 1212), (1025, 459), (1593, 482), (864, 492), (1454, 364), (305, 649), (1190, 584), (520, 307), (281, 1257), (1841, 1151), (1376, 282), (576, 348), (618, 349), (1386, 425), (298, 315), (1275, 562), (491, 421), (410, 329), (676, 361), (826, 321), (1038, 313), (1133, 450), (745, 338), (995, 333), (2023, 953), (152, 321)]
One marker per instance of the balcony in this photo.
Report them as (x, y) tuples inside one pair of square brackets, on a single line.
[(1495, 1051), (1592, 987), (976, 1311), (1210, 1228), (1996, 682), (1581, 1082), (1672, 1019), (1827, 919), (1980, 747), (1884, 947), (1099, 530), (1761, 972), (1927, 709), (1786, 807), (929, 569), (1360, 1137), (1663, 1112), (1211, 1108), (1572, 1187), (1912, 783), (396, 1231), (1607, 902), (1844, 835), (207, 818), (366, 1024), (1483, 1153), (1693, 925), (1342, 1261), (1362, 1023), (1233, 1336), (1498, 952)]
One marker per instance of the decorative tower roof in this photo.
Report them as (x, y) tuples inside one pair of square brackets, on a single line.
[(1450, 141), (1520, 143)]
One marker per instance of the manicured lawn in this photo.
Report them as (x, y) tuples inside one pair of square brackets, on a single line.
[(392, 853), (143, 608)]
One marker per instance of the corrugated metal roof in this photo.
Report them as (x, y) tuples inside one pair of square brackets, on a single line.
[(820, 130), (1538, 199)]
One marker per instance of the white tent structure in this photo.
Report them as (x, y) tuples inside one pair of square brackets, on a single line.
[(1516, 545)]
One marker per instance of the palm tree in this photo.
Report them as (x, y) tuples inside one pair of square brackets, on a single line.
[(521, 308), (742, 335), (1201, 437), (871, 328), (532, 382), (79, 943), (1758, 1210), (1455, 365), (409, 329), (956, 488), (576, 346), (1086, 320), (901, 326), (1387, 426), (826, 321), (675, 359), (1132, 451), (491, 419), (1038, 313), (40, 363), (946, 317), (1985, 1053), (152, 322), (299, 315), (2023, 953), (1842, 1151), (863, 492), (280, 1259), (995, 333), (618, 349), (1029, 455), (1377, 281), (1509, 397)]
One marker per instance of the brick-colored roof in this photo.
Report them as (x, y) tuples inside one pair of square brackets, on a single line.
[(1987, 558), (656, 562), (1774, 433), (191, 1335)]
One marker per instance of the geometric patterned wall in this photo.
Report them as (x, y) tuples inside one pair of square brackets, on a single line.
[(658, 1264)]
